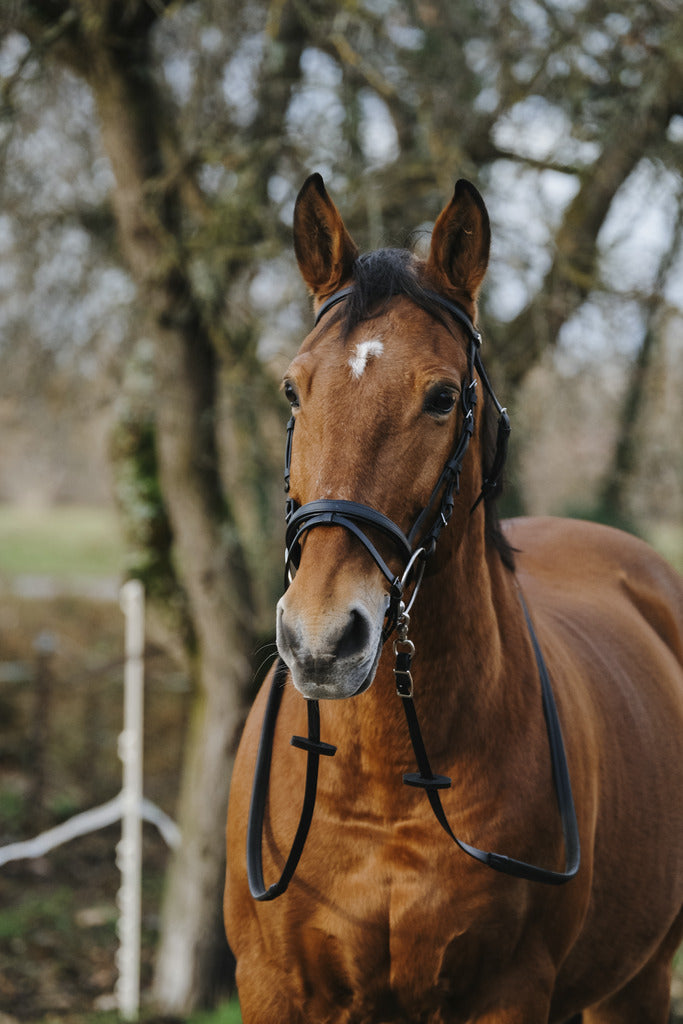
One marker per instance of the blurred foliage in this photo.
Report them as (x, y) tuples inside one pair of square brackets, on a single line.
[(67, 543), (35, 911)]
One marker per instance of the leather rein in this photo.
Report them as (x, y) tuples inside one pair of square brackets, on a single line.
[(415, 548)]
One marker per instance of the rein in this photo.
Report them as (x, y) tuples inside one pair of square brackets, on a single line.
[(354, 516)]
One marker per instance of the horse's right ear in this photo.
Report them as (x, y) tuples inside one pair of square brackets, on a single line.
[(460, 246), (324, 249)]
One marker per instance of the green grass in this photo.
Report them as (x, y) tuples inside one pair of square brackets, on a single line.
[(228, 1013), (668, 540), (36, 911), (66, 542)]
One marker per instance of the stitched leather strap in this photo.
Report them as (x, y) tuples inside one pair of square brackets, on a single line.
[(314, 749), (431, 784), (326, 512)]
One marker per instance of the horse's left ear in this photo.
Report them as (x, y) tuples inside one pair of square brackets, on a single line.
[(324, 249), (461, 240)]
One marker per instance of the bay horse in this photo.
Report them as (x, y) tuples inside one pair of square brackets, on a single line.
[(540, 668)]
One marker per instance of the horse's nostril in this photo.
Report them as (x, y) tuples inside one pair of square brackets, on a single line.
[(287, 637), (355, 637)]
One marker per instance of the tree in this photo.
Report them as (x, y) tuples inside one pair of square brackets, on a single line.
[(612, 502), (211, 115), (109, 44)]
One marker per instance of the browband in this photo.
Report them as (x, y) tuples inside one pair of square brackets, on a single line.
[(452, 308)]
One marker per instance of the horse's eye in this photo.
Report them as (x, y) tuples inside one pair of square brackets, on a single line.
[(440, 400), (291, 394)]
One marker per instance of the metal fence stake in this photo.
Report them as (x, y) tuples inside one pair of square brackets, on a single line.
[(129, 849)]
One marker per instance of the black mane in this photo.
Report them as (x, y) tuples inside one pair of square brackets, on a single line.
[(379, 276)]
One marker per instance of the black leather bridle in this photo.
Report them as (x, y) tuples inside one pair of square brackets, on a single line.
[(413, 549), (416, 547)]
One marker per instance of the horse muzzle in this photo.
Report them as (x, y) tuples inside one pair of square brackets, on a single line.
[(331, 654)]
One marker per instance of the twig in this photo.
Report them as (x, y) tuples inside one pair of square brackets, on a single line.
[(40, 46)]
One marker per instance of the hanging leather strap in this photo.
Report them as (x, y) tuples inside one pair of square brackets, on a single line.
[(425, 779), (314, 749)]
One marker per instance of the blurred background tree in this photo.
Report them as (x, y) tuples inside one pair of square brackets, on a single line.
[(151, 153)]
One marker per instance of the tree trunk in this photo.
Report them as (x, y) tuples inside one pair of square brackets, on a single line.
[(613, 496), (612, 502), (146, 528), (219, 591), (208, 552)]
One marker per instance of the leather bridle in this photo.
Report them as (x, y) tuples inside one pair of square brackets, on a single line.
[(416, 547), (413, 549)]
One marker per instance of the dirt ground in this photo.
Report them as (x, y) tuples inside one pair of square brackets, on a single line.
[(60, 714)]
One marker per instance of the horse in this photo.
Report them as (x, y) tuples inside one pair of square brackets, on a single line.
[(537, 663)]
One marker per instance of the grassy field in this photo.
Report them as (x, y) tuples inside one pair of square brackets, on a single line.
[(66, 542), (229, 1013)]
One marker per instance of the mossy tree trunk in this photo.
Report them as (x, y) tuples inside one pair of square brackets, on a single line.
[(109, 44), (207, 549)]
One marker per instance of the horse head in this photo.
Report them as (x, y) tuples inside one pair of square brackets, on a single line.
[(380, 393)]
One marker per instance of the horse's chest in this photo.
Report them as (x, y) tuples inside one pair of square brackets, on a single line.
[(389, 935)]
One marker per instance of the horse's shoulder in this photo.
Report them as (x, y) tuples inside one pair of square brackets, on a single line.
[(587, 571), (568, 548)]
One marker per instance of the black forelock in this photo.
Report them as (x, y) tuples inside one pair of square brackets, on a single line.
[(379, 276)]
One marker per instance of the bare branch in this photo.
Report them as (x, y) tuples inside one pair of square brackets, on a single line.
[(40, 45)]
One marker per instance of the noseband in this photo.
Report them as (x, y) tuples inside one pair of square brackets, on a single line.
[(413, 549), (416, 547)]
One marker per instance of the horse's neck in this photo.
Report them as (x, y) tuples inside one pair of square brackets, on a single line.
[(468, 630), (462, 628)]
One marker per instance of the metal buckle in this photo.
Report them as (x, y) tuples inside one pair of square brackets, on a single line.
[(404, 649)]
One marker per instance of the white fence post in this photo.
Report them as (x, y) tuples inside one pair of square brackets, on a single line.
[(129, 807), (129, 849)]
